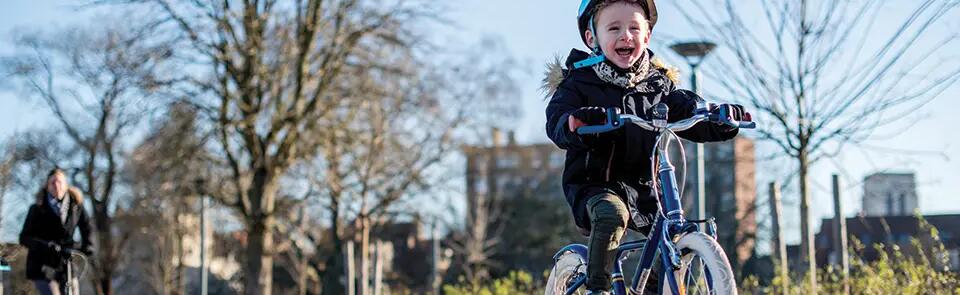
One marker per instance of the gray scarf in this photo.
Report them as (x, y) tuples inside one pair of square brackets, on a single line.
[(60, 208)]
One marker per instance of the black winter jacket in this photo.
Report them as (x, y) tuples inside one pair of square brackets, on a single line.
[(43, 225), (620, 162)]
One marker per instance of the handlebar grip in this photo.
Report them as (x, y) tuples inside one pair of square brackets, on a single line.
[(748, 124), (613, 122), (595, 129)]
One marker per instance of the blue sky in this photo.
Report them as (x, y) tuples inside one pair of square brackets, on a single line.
[(534, 31)]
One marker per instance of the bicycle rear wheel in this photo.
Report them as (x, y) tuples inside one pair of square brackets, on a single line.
[(565, 270), (704, 267)]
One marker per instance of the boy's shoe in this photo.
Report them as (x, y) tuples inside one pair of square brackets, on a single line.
[(591, 292)]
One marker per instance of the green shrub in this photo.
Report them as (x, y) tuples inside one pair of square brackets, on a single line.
[(920, 269), (517, 282)]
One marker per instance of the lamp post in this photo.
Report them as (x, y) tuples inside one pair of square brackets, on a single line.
[(200, 186), (694, 53)]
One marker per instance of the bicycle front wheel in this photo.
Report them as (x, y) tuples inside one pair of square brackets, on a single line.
[(704, 267), (566, 269)]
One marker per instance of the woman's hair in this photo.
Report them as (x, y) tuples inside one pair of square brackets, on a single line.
[(73, 192)]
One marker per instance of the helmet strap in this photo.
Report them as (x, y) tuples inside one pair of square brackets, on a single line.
[(592, 60), (597, 56)]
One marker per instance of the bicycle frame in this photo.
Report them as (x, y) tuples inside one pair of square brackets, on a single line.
[(670, 221)]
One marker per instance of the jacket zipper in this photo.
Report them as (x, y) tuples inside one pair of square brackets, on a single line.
[(623, 102), (586, 166), (610, 160)]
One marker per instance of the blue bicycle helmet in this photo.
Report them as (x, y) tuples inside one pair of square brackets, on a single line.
[(585, 22)]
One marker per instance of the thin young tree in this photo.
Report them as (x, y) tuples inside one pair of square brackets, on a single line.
[(7, 166), (97, 83), (160, 172), (825, 75)]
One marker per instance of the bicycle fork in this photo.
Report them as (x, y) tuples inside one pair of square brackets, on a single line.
[(669, 261)]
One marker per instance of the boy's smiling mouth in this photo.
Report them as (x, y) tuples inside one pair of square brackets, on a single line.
[(625, 52)]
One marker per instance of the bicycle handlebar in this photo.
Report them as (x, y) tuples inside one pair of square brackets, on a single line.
[(63, 249), (615, 121)]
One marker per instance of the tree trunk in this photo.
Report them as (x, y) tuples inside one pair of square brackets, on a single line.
[(303, 263), (334, 263), (807, 248), (105, 248), (779, 245), (364, 255), (180, 283), (259, 268), (258, 274)]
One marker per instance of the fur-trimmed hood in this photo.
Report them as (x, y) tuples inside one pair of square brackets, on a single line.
[(557, 70), (74, 193)]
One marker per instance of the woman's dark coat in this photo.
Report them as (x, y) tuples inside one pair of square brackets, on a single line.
[(43, 225)]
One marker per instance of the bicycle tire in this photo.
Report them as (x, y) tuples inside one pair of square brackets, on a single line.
[(565, 269), (693, 245)]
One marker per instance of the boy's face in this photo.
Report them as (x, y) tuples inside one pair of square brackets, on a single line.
[(623, 33)]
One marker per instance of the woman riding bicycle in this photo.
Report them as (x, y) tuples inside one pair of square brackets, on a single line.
[(48, 232)]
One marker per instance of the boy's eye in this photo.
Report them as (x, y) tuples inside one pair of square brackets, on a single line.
[(614, 28)]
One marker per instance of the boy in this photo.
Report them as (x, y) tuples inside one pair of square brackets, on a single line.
[(606, 178)]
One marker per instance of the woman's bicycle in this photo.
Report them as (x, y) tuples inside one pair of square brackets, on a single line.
[(692, 261), (71, 259)]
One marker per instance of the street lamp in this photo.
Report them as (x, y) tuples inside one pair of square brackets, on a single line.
[(694, 53), (200, 186)]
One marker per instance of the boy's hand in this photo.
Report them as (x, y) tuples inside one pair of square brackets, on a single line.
[(734, 111), (586, 116)]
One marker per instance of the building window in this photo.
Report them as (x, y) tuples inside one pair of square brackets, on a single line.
[(505, 182), (508, 161), (890, 205), (867, 240), (536, 162), (903, 204), (480, 184)]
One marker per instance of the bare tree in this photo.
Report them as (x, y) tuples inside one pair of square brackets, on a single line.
[(479, 233), (481, 237), (385, 142), (277, 72), (826, 74), (97, 84)]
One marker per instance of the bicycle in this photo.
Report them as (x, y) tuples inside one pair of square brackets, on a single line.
[(71, 286), (693, 256)]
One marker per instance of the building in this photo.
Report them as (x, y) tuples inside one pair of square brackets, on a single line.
[(730, 193), (890, 194), (506, 168), (889, 204), (892, 230)]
